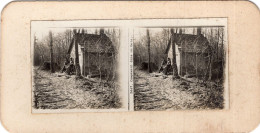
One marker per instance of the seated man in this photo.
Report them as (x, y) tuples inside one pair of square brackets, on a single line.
[(64, 66), (168, 66), (162, 65), (70, 66)]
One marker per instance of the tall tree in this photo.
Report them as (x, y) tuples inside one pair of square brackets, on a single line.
[(181, 60), (174, 64), (76, 38), (222, 49), (115, 54), (211, 55), (51, 52), (217, 50), (149, 54)]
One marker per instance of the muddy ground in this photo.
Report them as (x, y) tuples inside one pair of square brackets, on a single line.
[(60, 91), (157, 92)]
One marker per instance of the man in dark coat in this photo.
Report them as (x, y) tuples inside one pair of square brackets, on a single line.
[(162, 65), (168, 66)]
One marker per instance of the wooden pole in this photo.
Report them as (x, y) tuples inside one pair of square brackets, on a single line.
[(51, 52), (76, 35), (174, 64)]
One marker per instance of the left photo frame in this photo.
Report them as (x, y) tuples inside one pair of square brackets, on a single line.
[(75, 67)]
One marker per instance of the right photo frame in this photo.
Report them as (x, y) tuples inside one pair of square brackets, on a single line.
[(180, 67)]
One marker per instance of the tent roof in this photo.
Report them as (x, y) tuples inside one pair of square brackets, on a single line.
[(93, 43), (190, 43)]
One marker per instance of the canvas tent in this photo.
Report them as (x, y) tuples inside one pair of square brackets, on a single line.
[(192, 52), (95, 53)]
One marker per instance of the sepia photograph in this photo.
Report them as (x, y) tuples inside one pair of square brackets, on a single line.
[(75, 68), (177, 68), (134, 67)]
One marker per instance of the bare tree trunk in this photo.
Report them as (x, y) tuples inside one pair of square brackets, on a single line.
[(210, 67), (217, 45), (83, 62), (88, 60), (114, 55), (174, 64), (194, 31), (181, 56), (35, 57), (148, 43), (211, 57), (42, 57), (185, 56), (76, 35), (51, 51), (196, 64), (217, 53), (223, 52)]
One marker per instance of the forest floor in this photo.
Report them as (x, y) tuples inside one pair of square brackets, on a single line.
[(61, 91), (160, 92)]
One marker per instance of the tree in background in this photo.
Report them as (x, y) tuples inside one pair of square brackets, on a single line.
[(60, 45), (148, 45), (114, 37), (51, 51), (158, 44)]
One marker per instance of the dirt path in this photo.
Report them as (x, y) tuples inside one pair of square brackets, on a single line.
[(163, 93), (148, 99), (57, 91)]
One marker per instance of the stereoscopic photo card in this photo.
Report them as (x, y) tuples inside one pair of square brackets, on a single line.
[(130, 66)]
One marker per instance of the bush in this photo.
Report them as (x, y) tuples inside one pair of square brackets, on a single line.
[(144, 66)]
